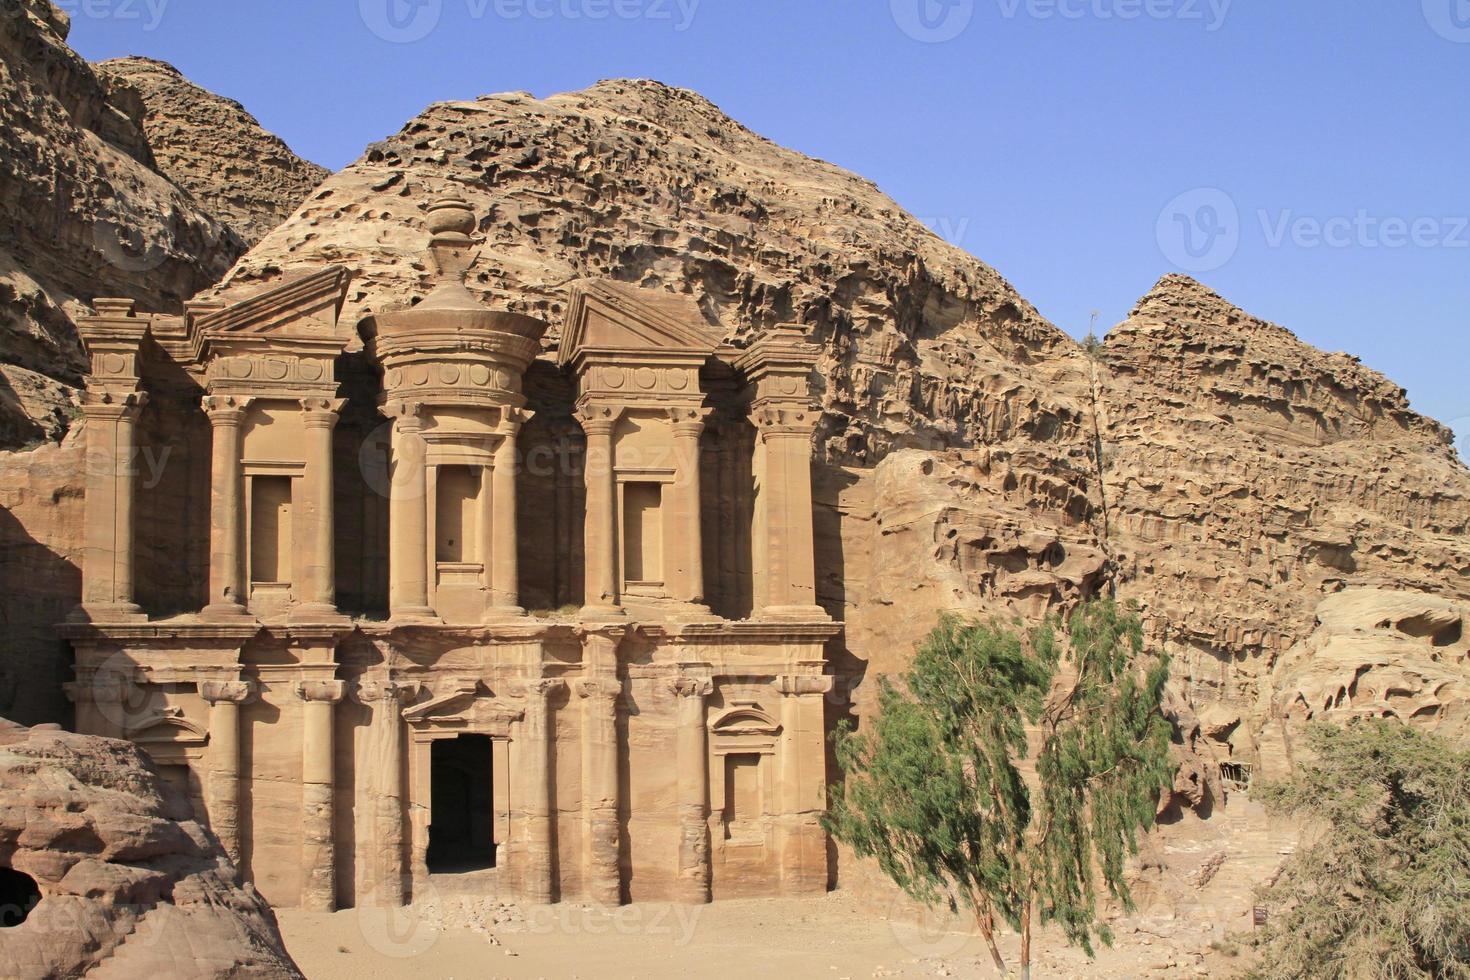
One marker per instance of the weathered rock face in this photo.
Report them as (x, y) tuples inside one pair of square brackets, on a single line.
[(90, 206), (211, 147), (131, 886), (642, 183), (1247, 475), (84, 214), (1374, 653)]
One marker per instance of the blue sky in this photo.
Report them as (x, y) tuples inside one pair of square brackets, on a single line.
[(1307, 159)]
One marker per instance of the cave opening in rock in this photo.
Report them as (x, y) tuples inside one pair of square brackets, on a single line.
[(19, 894), (462, 816)]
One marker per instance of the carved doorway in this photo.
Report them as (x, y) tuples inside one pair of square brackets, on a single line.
[(462, 805)]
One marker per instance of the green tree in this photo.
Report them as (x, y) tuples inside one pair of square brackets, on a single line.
[(1380, 884), (934, 791)]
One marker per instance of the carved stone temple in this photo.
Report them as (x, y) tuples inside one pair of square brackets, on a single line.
[(416, 595)]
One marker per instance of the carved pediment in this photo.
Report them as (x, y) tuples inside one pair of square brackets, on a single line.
[(307, 308), (745, 718), (620, 318), (468, 707), (167, 727)]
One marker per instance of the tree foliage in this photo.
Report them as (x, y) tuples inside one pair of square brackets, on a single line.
[(1380, 884), (935, 792)]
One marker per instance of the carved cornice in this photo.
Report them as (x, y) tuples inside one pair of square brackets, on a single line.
[(600, 689), (795, 685), (686, 686)]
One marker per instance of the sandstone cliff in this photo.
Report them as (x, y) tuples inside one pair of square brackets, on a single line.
[(89, 206), (212, 148), (131, 886)]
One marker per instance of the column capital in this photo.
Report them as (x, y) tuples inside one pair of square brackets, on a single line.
[(541, 688), (597, 419), (687, 686), (795, 685), (318, 411), (394, 693), (230, 692), (321, 691), (784, 418), (512, 418), (406, 415), (112, 406), (689, 420), (225, 409), (605, 689)]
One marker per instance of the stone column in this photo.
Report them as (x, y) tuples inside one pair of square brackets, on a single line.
[(688, 424), (222, 790), (315, 515), (802, 797), (600, 534), (534, 753), (785, 542), (318, 789), (108, 526), (383, 766), (228, 592), (408, 520), (692, 761), (505, 588), (600, 789)]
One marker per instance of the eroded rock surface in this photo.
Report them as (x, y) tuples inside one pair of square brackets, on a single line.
[(213, 148), (132, 887)]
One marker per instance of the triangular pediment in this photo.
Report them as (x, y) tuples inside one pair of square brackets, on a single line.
[(616, 316), (308, 308)]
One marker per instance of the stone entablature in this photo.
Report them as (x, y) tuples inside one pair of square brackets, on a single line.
[(638, 745)]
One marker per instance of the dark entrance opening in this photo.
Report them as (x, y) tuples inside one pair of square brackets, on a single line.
[(462, 812), (19, 893)]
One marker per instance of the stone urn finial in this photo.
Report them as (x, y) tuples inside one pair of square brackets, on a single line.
[(451, 223)]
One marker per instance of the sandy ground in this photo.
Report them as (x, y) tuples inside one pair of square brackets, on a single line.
[(829, 937)]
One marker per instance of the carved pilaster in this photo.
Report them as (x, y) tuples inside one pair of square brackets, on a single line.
[(600, 788), (318, 790), (537, 884), (383, 767), (315, 518), (600, 557), (228, 593), (222, 791), (692, 760)]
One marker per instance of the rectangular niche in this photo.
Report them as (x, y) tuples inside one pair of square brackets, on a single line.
[(744, 803), (270, 529), (457, 515), (643, 539)]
